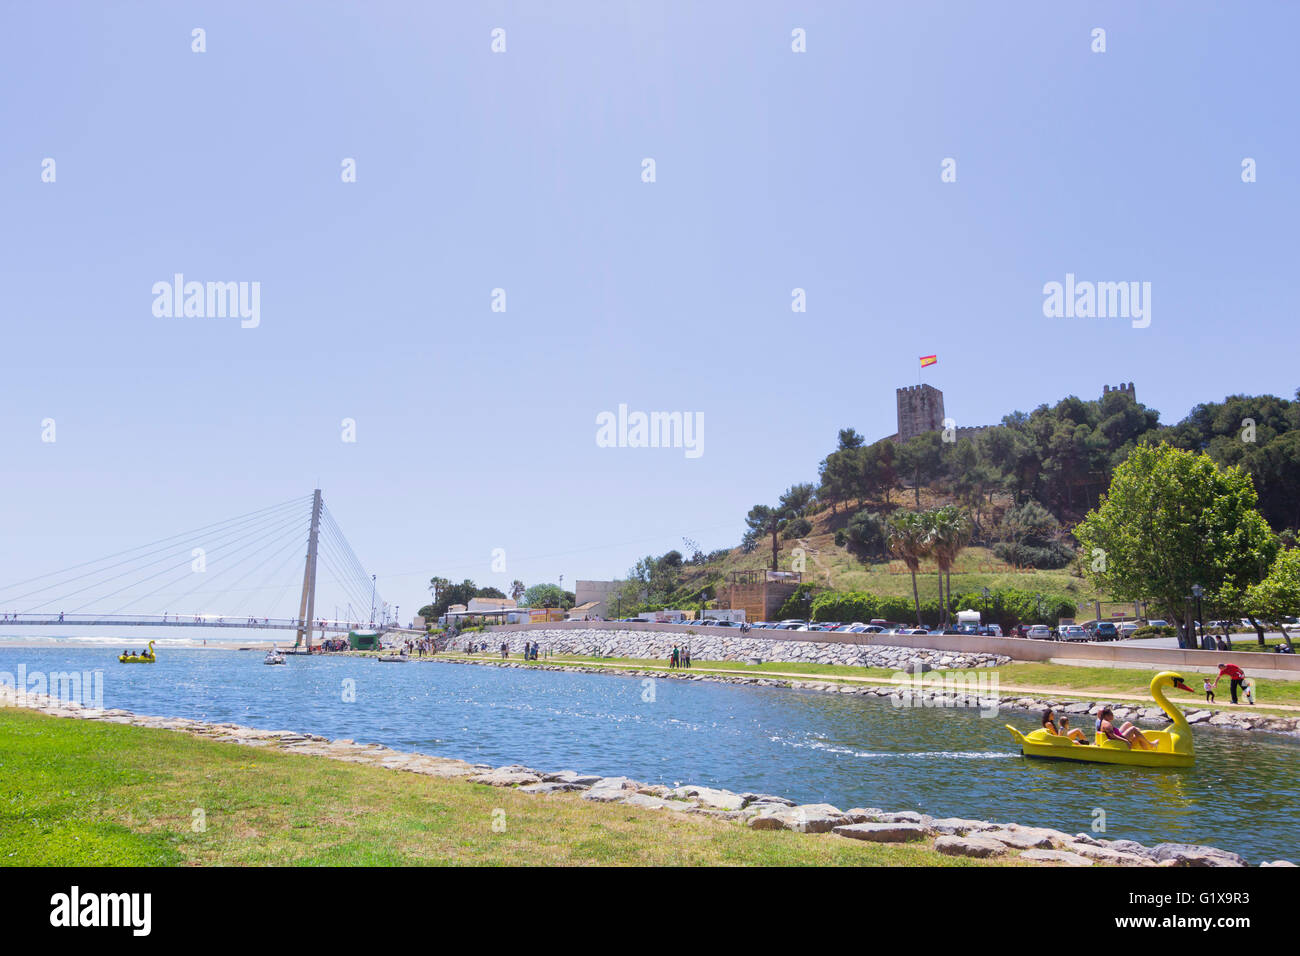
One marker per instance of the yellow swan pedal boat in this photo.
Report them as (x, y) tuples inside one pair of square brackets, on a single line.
[(1171, 748), (146, 658)]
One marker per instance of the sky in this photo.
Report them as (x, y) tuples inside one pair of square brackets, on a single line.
[(523, 171)]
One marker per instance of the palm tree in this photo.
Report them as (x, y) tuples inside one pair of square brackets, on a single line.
[(948, 531), (517, 589), (909, 542)]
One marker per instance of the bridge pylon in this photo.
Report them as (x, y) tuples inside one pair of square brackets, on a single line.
[(307, 607)]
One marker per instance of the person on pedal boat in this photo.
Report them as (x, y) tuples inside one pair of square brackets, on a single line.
[(1128, 733)]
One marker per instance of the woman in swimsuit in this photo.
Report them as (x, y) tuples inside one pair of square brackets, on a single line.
[(1127, 733)]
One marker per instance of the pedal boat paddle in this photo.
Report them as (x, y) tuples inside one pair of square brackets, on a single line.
[(1172, 747)]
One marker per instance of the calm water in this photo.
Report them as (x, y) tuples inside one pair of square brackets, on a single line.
[(811, 747)]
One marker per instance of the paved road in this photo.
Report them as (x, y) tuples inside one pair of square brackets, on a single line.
[(1173, 641)]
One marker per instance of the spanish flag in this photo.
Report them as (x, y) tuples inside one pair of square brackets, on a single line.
[(928, 360)]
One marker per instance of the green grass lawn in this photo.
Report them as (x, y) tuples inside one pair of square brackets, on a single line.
[(79, 792), (1252, 644)]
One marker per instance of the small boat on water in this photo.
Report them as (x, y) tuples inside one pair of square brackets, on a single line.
[(1170, 748), (146, 658), (273, 656), (394, 658)]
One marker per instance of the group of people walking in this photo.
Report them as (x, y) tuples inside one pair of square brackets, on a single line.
[(420, 647), (680, 657), (532, 650)]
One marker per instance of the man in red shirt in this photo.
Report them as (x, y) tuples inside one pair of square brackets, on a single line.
[(1234, 674)]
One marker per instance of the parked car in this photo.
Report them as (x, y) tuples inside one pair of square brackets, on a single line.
[(1158, 622), (1039, 632), (1105, 631), (1127, 628), (1072, 632)]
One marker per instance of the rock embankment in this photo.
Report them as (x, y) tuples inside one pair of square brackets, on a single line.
[(652, 645), (953, 836)]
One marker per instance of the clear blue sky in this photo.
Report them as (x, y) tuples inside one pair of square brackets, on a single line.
[(775, 170)]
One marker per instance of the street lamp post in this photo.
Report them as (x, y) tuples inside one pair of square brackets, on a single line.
[(986, 605), (1197, 592)]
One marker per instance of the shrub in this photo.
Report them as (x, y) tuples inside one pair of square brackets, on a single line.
[(797, 528), (799, 604), (1156, 632)]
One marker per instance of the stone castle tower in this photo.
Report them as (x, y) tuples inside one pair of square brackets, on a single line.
[(920, 410), (1121, 387)]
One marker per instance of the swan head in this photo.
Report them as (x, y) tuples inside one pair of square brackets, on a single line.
[(1176, 680)]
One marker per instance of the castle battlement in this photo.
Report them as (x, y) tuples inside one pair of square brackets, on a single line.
[(920, 410)]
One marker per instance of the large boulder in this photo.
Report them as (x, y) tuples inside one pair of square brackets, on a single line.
[(1188, 854), (806, 818), (1105, 854), (570, 776), (709, 797), (976, 846), (1025, 839), (956, 826), (647, 802), (766, 798), (1055, 856), (504, 777), (883, 832)]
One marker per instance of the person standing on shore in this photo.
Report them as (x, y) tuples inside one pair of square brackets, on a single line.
[(1235, 677), (675, 658)]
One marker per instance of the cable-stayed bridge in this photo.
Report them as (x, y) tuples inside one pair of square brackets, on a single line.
[(240, 573)]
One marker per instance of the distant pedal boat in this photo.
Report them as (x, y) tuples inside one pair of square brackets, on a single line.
[(145, 658)]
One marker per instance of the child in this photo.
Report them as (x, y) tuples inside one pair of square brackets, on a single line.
[(1209, 691), (1249, 690)]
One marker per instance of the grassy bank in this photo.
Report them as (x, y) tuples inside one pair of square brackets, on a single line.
[(81, 792)]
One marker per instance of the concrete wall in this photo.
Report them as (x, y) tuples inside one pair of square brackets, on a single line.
[(1021, 649)]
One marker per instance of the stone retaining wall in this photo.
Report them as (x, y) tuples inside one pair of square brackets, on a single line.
[(1015, 648), (725, 646)]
